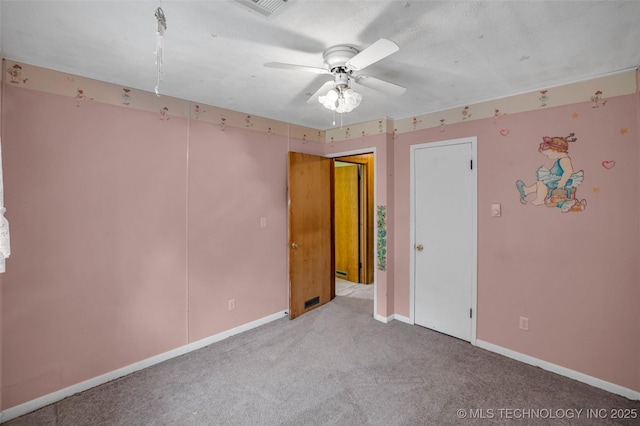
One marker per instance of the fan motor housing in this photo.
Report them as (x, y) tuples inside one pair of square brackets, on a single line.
[(336, 57)]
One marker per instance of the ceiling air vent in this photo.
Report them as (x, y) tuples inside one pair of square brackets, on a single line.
[(265, 7)]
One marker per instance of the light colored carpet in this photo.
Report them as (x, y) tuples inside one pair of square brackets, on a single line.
[(335, 365), (349, 289)]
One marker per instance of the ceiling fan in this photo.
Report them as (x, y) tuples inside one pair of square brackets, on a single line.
[(342, 62)]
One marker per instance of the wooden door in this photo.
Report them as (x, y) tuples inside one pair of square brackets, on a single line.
[(444, 262), (311, 241), (347, 221)]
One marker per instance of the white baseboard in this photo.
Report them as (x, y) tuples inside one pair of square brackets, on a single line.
[(29, 406), (392, 317), (402, 318), (563, 371), (383, 319)]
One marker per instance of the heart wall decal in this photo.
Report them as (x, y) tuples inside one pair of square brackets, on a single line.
[(504, 132), (608, 164)]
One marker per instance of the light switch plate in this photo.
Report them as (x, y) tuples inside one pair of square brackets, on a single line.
[(496, 210)]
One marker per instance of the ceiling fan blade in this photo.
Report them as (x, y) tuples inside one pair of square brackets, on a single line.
[(372, 54), (321, 91), (297, 67), (380, 85)]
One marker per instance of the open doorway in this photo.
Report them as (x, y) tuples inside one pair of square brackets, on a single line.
[(311, 196), (354, 242)]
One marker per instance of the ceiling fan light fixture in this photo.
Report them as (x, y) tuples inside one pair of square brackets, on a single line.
[(327, 103), (341, 61), (354, 100), (333, 95), (341, 100)]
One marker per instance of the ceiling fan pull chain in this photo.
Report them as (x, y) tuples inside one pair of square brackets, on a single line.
[(161, 28)]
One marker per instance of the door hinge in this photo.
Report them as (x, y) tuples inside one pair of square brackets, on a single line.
[(471, 313)]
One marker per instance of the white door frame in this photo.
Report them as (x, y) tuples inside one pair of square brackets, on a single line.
[(412, 243), (371, 150)]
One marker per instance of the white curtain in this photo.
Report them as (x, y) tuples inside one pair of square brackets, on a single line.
[(5, 249)]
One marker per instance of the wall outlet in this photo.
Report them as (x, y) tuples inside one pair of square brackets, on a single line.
[(524, 323), (263, 222), (232, 304)]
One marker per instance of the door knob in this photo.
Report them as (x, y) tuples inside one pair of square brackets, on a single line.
[(419, 247), (294, 246)]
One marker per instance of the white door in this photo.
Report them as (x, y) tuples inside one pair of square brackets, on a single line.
[(444, 242)]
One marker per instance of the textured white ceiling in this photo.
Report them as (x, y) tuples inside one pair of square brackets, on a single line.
[(451, 54)]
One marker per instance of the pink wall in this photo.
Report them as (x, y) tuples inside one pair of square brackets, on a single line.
[(96, 276), (235, 178), (574, 275), (129, 236), (307, 147)]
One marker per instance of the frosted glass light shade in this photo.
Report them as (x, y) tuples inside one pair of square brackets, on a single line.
[(341, 101)]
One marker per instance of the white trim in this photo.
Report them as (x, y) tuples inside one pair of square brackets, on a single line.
[(474, 243), (563, 371), (380, 318), (402, 318), (392, 317), (375, 222), (59, 395)]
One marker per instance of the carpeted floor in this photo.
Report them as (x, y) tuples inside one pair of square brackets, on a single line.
[(336, 365), (350, 289)]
